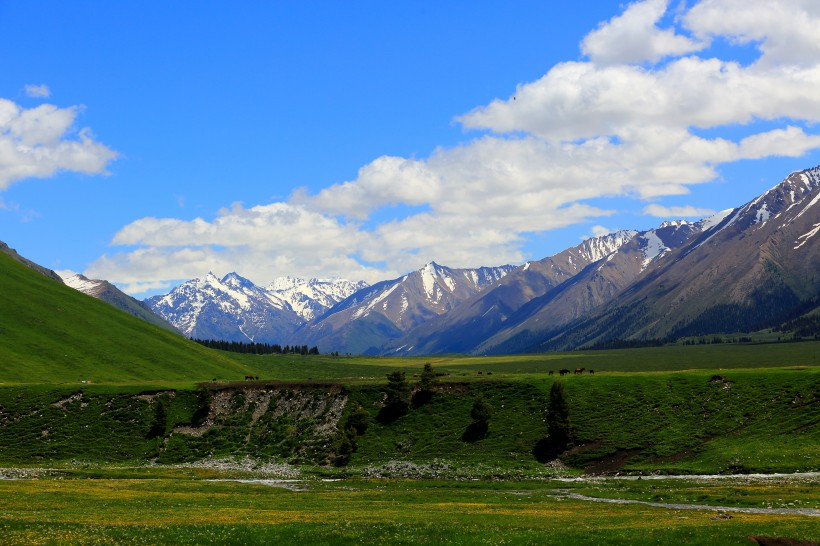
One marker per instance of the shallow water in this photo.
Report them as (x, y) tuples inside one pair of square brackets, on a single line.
[(696, 477), (677, 506), (292, 485)]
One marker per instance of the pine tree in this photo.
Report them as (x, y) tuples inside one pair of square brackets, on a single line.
[(559, 430)]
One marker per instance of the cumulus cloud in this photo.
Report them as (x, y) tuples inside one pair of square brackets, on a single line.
[(38, 142), (385, 181), (634, 37), (686, 211), (785, 31), (263, 241), (640, 118), (37, 91)]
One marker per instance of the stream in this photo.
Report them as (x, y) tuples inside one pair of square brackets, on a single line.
[(676, 506)]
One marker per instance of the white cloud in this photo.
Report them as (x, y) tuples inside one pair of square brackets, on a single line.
[(385, 181), (598, 231), (581, 100), (37, 91), (634, 37), (676, 212), (611, 127), (261, 242), (38, 143), (786, 30)]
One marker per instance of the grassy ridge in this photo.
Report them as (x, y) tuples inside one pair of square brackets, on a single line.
[(765, 420), (50, 333), (758, 420), (698, 422)]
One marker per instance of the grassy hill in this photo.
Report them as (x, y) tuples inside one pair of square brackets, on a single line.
[(744, 420), (50, 333)]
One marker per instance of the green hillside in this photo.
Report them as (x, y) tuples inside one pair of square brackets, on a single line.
[(758, 420), (50, 333)]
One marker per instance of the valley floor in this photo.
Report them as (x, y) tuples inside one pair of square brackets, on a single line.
[(195, 506)]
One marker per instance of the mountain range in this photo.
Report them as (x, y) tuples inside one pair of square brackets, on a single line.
[(371, 318), (740, 270), (235, 309)]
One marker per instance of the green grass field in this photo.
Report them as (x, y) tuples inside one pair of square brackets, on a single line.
[(60, 510), (358, 369)]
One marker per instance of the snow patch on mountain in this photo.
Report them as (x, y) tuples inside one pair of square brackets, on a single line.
[(79, 282), (363, 311), (763, 214), (653, 248), (596, 248), (711, 221), (309, 298), (810, 205), (428, 279), (806, 236)]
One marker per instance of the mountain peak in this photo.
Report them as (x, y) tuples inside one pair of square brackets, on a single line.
[(674, 223), (596, 248), (234, 280)]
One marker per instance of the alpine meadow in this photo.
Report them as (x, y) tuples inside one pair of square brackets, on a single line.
[(410, 273)]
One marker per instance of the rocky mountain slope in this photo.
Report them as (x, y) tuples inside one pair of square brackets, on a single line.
[(107, 292), (754, 268), (235, 309), (5, 249), (597, 284), (481, 315), (371, 317)]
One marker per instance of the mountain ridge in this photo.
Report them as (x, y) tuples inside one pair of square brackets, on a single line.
[(235, 309), (681, 278)]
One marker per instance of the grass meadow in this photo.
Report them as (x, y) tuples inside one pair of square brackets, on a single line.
[(193, 511)]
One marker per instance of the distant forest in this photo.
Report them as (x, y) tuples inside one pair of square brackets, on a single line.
[(257, 348)]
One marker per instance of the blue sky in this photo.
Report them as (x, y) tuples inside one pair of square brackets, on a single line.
[(148, 143)]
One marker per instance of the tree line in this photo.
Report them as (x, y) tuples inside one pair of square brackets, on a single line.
[(257, 348)]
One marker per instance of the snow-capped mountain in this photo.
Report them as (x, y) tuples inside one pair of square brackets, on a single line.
[(82, 283), (742, 270), (310, 298), (372, 316), (107, 292), (235, 309), (596, 285), (481, 315)]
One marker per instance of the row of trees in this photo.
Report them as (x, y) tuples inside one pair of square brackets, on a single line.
[(257, 348)]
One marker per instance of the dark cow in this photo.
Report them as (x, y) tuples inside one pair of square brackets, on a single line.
[(563, 371), (249, 378), (551, 372)]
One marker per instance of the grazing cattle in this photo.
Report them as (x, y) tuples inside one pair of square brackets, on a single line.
[(551, 372), (591, 371), (248, 377), (563, 371), (579, 370)]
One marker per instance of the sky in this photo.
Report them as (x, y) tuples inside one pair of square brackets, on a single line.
[(148, 143)]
